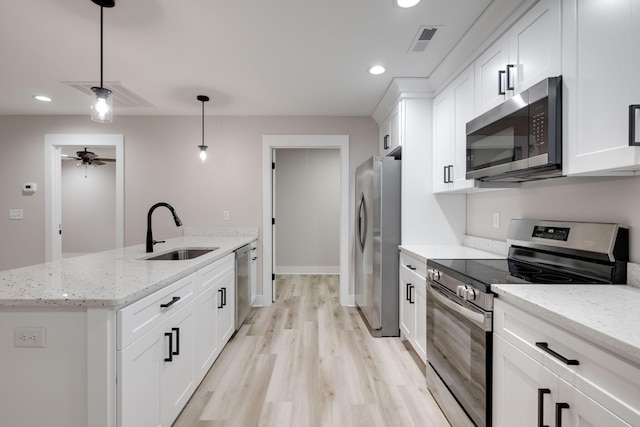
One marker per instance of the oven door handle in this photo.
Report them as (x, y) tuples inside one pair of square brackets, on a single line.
[(471, 315)]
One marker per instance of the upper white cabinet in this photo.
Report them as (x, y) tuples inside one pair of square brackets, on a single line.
[(601, 59), (527, 53), (452, 109), (391, 131)]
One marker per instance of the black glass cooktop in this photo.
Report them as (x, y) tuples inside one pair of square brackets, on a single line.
[(505, 271)]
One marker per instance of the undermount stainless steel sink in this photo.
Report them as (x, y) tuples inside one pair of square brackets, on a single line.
[(181, 254)]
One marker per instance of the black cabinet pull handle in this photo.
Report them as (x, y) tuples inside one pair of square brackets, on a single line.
[(509, 85), (386, 142), (170, 303), (177, 331), (545, 347), (224, 296), (253, 249), (500, 90), (254, 258), (541, 393), (411, 300), (559, 407), (410, 267), (220, 304), (632, 124), (406, 296), (170, 335)]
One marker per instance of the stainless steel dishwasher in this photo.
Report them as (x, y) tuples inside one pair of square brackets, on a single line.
[(243, 284)]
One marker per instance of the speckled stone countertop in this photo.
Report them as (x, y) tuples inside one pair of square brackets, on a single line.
[(425, 252), (108, 279), (606, 315)]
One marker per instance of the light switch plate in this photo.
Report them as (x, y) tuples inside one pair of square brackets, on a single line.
[(16, 214)]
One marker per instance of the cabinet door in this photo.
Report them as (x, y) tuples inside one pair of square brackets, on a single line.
[(420, 290), (207, 348), (582, 411), (178, 371), (517, 381), (463, 95), (601, 49), (442, 140), (407, 308), (535, 45), (226, 309), (138, 391), (395, 128), (254, 271), (490, 70)]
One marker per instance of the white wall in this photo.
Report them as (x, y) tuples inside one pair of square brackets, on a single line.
[(88, 207), (161, 164), (307, 211), (567, 199)]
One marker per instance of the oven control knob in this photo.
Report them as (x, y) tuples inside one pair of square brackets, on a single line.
[(433, 274), (469, 294), (460, 290)]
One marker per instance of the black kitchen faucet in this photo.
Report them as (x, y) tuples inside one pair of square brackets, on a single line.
[(150, 241)]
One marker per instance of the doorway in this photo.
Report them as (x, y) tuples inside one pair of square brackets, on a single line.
[(270, 143), (53, 146)]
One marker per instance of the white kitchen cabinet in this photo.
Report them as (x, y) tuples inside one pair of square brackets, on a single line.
[(391, 131), (591, 386), (413, 303), (212, 325), (452, 109), (156, 374), (253, 276), (601, 55), (527, 53)]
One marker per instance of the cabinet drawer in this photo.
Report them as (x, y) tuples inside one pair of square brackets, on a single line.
[(208, 275), (413, 264), (140, 317), (600, 374)]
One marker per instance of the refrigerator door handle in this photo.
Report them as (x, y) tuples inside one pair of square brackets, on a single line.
[(362, 222)]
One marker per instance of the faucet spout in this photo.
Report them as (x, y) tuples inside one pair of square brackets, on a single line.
[(150, 241)]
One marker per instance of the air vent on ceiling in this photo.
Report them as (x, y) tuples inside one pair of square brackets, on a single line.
[(422, 39), (123, 96)]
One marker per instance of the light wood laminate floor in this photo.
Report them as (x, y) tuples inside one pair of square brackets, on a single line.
[(307, 361)]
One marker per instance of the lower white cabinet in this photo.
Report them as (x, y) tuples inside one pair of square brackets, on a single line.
[(156, 374), (543, 375), (167, 342), (253, 276), (413, 304)]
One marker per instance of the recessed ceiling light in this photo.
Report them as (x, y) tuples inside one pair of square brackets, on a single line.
[(406, 3), (42, 98), (376, 69)]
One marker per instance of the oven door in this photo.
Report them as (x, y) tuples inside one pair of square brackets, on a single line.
[(459, 349)]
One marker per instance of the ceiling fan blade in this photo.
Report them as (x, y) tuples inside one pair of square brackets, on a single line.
[(97, 162), (67, 157), (102, 159)]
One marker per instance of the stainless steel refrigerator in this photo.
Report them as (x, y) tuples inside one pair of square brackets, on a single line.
[(377, 240)]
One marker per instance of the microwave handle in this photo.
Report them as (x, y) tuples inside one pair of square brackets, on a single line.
[(501, 74), (633, 119)]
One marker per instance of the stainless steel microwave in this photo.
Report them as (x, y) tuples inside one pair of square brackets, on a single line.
[(520, 139)]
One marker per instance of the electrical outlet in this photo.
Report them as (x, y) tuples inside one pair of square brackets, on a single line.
[(29, 337), (496, 220), (225, 215)]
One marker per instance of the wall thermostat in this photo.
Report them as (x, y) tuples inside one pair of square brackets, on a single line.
[(30, 187)]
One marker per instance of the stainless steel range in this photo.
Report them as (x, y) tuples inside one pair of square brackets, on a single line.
[(460, 302)]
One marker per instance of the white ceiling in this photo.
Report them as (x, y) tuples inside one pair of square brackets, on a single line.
[(252, 57)]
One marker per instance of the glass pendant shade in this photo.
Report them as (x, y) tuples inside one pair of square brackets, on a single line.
[(203, 152), (102, 107)]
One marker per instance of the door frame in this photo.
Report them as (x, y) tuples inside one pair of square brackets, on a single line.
[(271, 142), (53, 191)]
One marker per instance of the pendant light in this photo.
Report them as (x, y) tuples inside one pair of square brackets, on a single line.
[(102, 107), (202, 147)]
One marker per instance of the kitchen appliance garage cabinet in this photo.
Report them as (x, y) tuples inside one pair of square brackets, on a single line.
[(542, 373)]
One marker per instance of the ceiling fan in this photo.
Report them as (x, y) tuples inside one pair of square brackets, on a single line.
[(87, 158)]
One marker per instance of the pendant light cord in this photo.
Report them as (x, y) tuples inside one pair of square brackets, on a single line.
[(101, 61), (203, 123)]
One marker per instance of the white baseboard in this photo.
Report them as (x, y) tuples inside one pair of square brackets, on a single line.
[(308, 270)]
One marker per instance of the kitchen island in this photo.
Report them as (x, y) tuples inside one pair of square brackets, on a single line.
[(67, 375)]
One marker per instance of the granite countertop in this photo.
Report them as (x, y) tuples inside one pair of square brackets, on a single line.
[(111, 278), (606, 315), (425, 252)]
